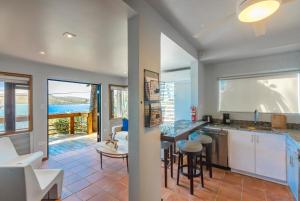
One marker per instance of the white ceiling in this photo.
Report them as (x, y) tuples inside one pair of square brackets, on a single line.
[(31, 26), (225, 38), (173, 56)]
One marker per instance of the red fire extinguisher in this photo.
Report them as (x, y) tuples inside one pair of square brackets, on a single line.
[(194, 113)]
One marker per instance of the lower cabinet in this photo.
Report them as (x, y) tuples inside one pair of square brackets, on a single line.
[(262, 154), (271, 156), (293, 168), (241, 151)]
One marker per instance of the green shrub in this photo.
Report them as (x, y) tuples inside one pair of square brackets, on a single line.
[(62, 126)]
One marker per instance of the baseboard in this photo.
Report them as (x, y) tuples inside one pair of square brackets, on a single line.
[(260, 177)]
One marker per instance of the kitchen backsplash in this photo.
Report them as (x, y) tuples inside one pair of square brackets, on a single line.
[(259, 123)]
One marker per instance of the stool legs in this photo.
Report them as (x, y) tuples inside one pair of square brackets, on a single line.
[(171, 159), (208, 159), (166, 167), (192, 162), (190, 172), (179, 167), (201, 171)]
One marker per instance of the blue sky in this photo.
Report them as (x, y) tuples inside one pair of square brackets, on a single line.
[(59, 88)]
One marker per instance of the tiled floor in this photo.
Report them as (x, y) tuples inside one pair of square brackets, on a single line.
[(84, 180)]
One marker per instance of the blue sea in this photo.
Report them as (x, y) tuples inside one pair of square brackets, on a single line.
[(22, 109)]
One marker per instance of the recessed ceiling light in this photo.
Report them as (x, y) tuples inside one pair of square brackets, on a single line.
[(69, 35), (256, 10), (42, 52)]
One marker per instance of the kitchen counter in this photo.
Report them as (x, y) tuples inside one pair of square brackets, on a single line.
[(291, 133), (179, 129)]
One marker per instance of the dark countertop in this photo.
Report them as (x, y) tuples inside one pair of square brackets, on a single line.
[(293, 134), (178, 128)]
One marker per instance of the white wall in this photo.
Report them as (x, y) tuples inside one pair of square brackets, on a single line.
[(40, 73), (182, 92), (182, 100), (271, 63)]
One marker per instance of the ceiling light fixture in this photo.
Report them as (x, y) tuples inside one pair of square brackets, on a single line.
[(69, 35), (256, 10), (42, 52)]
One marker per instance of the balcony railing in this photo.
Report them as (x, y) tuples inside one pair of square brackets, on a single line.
[(87, 124)]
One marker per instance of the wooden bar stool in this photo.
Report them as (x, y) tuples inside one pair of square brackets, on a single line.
[(167, 158), (193, 150)]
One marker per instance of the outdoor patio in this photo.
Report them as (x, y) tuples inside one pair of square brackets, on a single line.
[(63, 143)]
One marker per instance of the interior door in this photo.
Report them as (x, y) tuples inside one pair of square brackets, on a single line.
[(271, 155), (242, 151)]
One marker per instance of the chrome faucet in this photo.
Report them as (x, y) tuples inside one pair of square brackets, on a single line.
[(255, 116)]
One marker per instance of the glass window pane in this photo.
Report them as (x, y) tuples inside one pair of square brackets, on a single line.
[(167, 95), (22, 108), (119, 102)]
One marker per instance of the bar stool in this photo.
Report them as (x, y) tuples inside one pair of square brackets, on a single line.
[(167, 158), (206, 141), (193, 150)]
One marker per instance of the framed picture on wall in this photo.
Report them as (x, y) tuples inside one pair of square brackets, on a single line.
[(152, 99)]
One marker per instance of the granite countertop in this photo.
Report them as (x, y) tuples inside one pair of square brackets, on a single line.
[(294, 134), (177, 128)]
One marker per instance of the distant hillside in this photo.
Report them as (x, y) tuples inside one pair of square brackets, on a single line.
[(54, 100), (21, 99)]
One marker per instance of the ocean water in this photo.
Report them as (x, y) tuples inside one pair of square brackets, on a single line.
[(22, 109), (57, 109)]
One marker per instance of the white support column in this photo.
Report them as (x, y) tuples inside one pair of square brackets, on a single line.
[(197, 84), (144, 144)]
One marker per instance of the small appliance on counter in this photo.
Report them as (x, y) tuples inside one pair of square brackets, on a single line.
[(226, 118), (207, 118)]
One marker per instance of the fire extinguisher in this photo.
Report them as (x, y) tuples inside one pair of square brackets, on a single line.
[(194, 113)]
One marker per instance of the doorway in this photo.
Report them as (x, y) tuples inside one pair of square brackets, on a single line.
[(74, 110)]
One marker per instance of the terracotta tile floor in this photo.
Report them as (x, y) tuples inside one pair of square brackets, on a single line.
[(84, 180)]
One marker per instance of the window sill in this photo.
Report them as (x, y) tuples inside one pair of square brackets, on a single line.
[(19, 132)]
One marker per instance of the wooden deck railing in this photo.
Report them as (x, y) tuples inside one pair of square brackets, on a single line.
[(72, 116)]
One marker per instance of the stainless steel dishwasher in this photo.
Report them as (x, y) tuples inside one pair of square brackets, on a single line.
[(219, 146)]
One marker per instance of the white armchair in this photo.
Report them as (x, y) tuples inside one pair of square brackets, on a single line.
[(22, 183), (9, 156), (118, 134)]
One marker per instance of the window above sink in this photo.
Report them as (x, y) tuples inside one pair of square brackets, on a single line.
[(267, 93)]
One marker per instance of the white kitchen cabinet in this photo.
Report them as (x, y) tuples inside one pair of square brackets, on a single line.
[(262, 154), (292, 168), (242, 151), (271, 155)]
